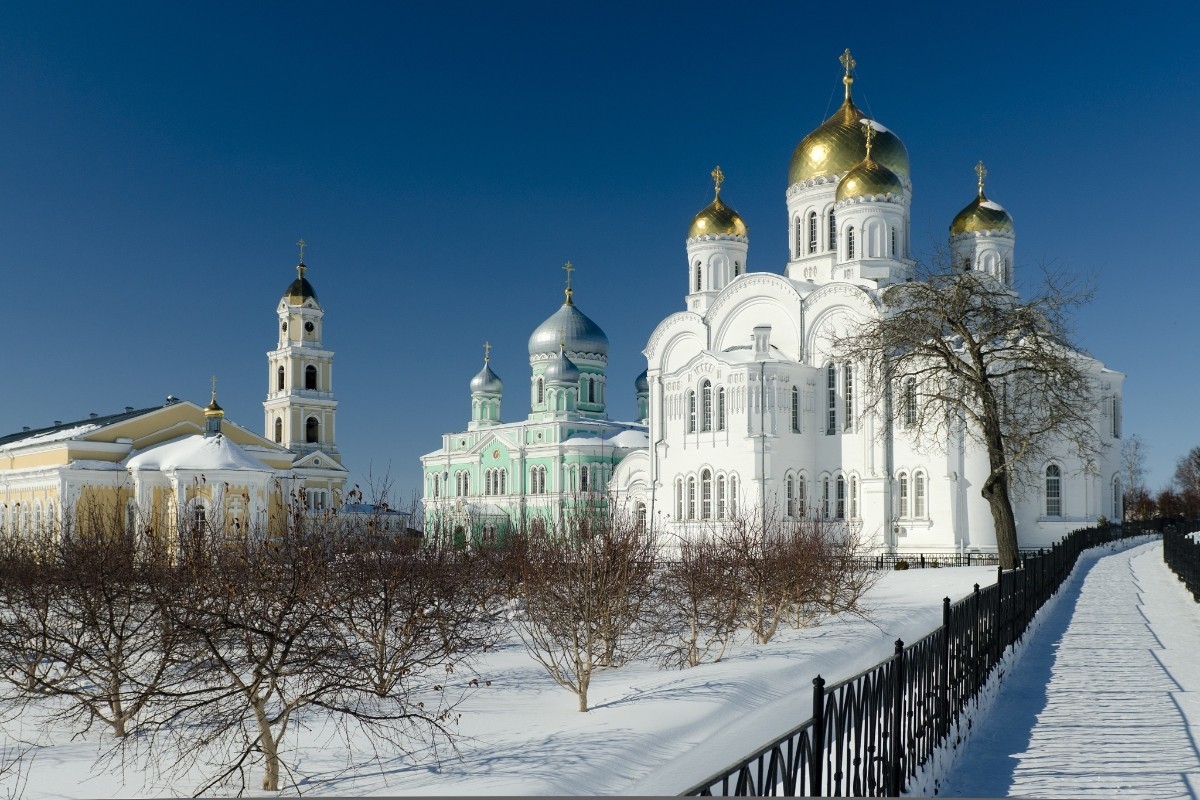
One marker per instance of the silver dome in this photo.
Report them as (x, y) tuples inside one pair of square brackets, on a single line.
[(563, 370), (642, 382), (571, 328), (486, 381)]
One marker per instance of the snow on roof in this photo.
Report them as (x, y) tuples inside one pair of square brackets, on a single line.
[(628, 439), (991, 204), (196, 452), (56, 435)]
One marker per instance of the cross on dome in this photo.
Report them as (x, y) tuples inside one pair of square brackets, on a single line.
[(569, 268), (870, 135), (718, 178), (848, 63), (302, 244), (487, 351), (213, 378), (981, 172)]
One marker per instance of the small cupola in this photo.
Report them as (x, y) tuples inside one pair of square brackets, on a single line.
[(213, 413), (982, 236), (717, 219), (717, 248)]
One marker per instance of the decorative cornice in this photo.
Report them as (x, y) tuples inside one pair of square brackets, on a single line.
[(719, 237)]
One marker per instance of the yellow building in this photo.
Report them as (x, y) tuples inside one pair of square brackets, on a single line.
[(155, 469)]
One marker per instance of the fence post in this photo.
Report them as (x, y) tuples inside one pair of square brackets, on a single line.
[(894, 784), (816, 761), (975, 643), (944, 728)]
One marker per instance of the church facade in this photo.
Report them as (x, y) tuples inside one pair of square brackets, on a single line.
[(160, 470), (751, 410)]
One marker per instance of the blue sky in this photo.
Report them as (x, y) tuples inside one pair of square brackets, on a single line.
[(158, 160)]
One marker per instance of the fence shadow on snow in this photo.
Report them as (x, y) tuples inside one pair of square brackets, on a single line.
[(870, 733)]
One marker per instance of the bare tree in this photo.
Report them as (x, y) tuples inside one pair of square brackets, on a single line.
[(962, 353), (583, 589), (1133, 463), (1187, 482), (698, 610)]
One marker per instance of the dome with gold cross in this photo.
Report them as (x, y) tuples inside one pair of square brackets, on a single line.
[(869, 178), (716, 218), (982, 214), (839, 143), (300, 289), (486, 381), (569, 328)]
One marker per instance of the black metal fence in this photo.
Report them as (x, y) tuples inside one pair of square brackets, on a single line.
[(869, 734), (1182, 554), (887, 561)]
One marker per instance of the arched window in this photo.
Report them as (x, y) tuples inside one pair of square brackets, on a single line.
[(849, 242), (691, 498), (795, 410), (737, 268), (902, 494), (802, 495), (825, 497), (909, 402), (310, 377), (591, 390), (37, 516), (641, 516), (279, 379), (691, 400), (706, 406), (840, 509), (893, 250), (312, 430), (832, 231), (721, 408), (699, 276), (278, 429), (919, 495), (848, 417), (199, 518), (733, 495), (706, 494), (1053, 491), (831, 399), (812, 231), (679, 498), (1116, 416), (791, 496), (539, 389), (721, 503), (799, 238), (853, 497), (585, 474)]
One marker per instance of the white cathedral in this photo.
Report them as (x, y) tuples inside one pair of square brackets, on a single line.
[(745, 404)]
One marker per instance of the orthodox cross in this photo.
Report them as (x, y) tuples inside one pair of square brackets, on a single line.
[(487, 351), (213, 378), (562, 331), (718, 178), (302, 245), (569, 269), (981, 172), (847, 61), (870, 134)]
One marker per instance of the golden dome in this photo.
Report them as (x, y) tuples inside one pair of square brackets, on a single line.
[(981, 214), (300, 289), (840, 143), (717, 218), (869, 178)]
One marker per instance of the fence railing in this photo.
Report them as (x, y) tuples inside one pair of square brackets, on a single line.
[(1182, 554), (870, 733)]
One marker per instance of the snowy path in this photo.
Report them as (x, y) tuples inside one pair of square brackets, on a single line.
[(1105, 700)]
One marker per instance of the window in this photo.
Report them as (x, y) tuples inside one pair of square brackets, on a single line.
[(919, 495), (312, 430), (131, 517), (795, 409), (691, 400), (310, 377), (825, 497), (903, 494), (841, 498), (591, 393), (691, 498), (737, 268), (706, 417), (893, 253), (799, 238), (832, 230), (1116, 417), (540, 391), (849, 242), (278, 429), (721, 408), (698, 276), (679, 498), (641, 516), (909, 402), (812, 231), (801, 495), (720, 497), (853, 497), (733, 498), (1117, 510), (831, 393), (1053, 491), (791, 496), (279, 379), (706, 494), (585, 477), (848, 417), (199, 518)]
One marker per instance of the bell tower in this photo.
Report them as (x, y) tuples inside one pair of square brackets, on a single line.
[(300, 407)]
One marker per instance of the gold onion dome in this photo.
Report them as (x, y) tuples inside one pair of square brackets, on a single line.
[(716, 218), (869, 178), (300, 289), (982, 214), (839, 143)]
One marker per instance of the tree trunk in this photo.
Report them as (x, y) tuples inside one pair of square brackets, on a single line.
[(270, 749), (995, 491)]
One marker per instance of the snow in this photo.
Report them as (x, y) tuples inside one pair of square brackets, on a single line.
[(1105, 696), (196, 452), (54, 436), (1101, 698), (993, 205), (650, 730), (633, 439)]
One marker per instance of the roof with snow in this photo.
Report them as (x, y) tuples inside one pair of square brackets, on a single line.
[(196, 452), (61, 431)]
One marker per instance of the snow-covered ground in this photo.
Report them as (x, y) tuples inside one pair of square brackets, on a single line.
[(650, 731), (1105, 699)]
